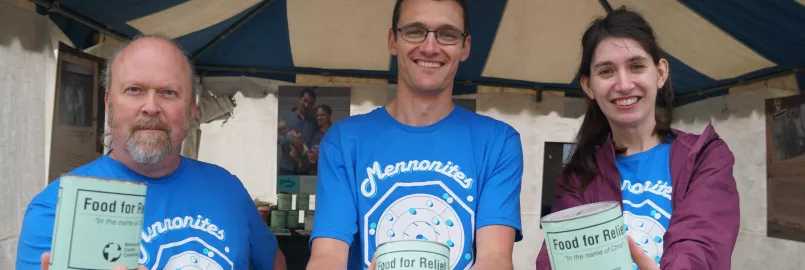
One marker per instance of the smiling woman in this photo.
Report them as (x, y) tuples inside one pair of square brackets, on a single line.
[(666, 180)]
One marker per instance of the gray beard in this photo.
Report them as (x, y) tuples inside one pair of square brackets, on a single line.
[(146, 148)]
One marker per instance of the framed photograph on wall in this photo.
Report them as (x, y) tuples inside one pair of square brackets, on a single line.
[(78, 111), (305, 113), (785, 167)]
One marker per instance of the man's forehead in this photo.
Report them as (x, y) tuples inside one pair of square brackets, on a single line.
[(151, 58), (441, 26), (152, 50), (442, 14)]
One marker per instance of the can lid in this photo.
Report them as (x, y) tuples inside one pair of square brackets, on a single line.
[(412, 240), (580, 211), (101, 179)]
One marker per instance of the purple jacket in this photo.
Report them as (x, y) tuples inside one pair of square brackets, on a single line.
[(705, 218)]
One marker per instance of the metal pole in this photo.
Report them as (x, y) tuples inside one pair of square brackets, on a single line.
[(389, 77), (606, 6), (106, 29), (291, 72), (729, 85)]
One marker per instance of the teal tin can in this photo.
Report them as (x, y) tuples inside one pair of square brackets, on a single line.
[(98, 223), (412, 255), (293, 219), (302, 201), (279, 219), (284, 201), (590, 236)]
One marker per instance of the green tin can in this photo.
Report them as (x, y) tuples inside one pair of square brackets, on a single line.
[(279, 219), (98, 223), (590, 236), (302, 201), (308, 223), (293, 219), (284, 201), (412, 255)]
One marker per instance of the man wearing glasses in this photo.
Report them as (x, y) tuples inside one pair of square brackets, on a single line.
[(420, 167)]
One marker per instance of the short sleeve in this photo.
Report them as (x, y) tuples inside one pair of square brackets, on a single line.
[(499, 202), (336, 207), (37, 229)]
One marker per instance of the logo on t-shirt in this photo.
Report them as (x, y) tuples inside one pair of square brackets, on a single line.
[(448, 169), (424, 210), (192, 252), (660, 187), (645, 215)]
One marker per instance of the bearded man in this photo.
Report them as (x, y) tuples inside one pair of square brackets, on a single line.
[(150, 99)]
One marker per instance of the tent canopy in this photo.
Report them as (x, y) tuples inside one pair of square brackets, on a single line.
[(710, 45)]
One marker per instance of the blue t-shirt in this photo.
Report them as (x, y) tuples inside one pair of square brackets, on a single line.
[(646, 189), (198, 215), (380, 180)]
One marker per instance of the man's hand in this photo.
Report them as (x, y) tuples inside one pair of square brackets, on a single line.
[(46, 264), (643, 261), (372, 265), (495, 246), (279, 260), (328, 253)]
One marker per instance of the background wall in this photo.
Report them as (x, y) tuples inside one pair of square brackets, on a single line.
[(740, 119), (27, 77), (244, 143), (555, 119)]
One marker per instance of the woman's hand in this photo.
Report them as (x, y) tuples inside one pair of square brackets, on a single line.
[(643, 261)]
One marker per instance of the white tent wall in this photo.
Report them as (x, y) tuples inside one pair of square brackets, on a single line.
[(740, 119), (27, 83), (555, 119), (244, 143)]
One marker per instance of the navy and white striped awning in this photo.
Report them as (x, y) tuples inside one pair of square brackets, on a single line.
[(525, 43)]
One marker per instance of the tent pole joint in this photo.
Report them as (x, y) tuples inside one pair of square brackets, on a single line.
[(539, 93)]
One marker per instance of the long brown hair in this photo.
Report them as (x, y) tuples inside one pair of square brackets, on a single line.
[(595, 129)]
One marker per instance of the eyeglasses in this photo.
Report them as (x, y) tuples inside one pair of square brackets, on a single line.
[(443, 36)]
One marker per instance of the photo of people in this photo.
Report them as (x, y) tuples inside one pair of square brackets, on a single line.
[(75, 95), (305, 115)]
